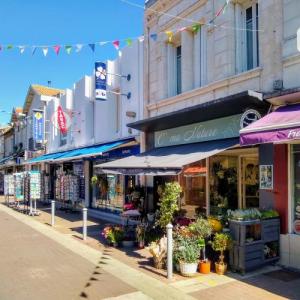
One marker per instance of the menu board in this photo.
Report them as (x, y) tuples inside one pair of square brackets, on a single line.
[(9, 185), (35, 185), (19, 186)]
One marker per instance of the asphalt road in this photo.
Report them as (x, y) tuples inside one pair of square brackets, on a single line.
[(33, 266)]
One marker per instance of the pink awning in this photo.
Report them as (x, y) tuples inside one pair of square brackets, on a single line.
[(282, 125)]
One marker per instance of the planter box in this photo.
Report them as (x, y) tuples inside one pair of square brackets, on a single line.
[(270, 230), (127, 244)]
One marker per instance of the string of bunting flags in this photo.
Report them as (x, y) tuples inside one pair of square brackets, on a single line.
[(68, 48)]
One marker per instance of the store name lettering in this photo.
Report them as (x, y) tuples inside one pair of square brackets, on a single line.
[(293, 134)]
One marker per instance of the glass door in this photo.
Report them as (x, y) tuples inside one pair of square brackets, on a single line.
[(249, 181)]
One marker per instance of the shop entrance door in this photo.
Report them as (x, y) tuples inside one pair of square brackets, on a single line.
[(249, 181)]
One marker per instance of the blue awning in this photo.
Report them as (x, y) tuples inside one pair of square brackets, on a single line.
[(79, 153)]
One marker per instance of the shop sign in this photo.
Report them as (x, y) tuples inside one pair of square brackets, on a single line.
[(38, 126), (61, 120), (297, 226), (222, 128), (100, 81), (249, 117)]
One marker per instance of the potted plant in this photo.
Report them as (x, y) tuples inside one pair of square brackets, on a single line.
[(140, 235), (113, 234), (202, 230), (221, 243), (158, 251), (189, 251), (94, 180), (168, 203), (128, 238)]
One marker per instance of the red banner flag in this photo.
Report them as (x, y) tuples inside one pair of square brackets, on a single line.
[(61, 120)]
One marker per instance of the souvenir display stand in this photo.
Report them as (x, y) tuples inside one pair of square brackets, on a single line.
[(45, 188), (9, 188), (19, 188)]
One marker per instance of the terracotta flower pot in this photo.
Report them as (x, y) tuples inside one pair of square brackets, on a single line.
[(221, 269), (204, 267)]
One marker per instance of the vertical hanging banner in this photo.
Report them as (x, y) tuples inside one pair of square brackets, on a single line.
[(100, 81), (61, 120), (38, 126)]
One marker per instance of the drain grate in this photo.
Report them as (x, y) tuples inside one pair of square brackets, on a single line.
[(283, 275)]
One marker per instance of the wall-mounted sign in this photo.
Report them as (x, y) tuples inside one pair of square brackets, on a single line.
[(266, 177), (249, 117), (222, 128), (100, 81), (61, 120), (38, 126)]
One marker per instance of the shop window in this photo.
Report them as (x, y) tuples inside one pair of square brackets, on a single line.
[(193, 182), (178, 70), (295, 166), (223, 182)]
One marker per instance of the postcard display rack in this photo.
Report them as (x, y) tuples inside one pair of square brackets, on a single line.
[(255, 243), (9, 188), (33, 182), (19, 188), (45, 188)]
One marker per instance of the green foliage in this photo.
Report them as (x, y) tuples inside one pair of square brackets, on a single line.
[(168, 203), (94, 180), (244, 214), (221, 242), (187, 249), (267, 214), (201, 228)]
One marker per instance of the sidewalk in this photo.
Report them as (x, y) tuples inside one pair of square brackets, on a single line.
[(268, 283)]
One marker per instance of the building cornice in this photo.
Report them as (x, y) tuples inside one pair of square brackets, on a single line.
[(206, 89)]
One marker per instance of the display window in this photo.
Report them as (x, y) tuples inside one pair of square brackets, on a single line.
[(295, 176)]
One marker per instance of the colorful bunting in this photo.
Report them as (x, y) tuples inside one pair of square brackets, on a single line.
[(169, 36), (79, 47), (92, 46), (33, 49), (22, 49), (196, 28), (102, 43), (141, 39), (154, 36), (182, 29), (68, 49), (9, 47), (56, 49), (45, 51), (128, 42), (116, 44)]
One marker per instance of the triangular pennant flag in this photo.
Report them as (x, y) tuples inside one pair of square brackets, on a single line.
[(220, 10), (182, 29), (128, 41), (79, 47), (116, 44), (68, 49), (22, 49), (33, 50), (141, 39), (169, 35), (45, 51), (120, 53), (196, 28), (9, 47), (56, 49), (154, 36), (0, 47), (226, 5), (92, 46), (102, 43)]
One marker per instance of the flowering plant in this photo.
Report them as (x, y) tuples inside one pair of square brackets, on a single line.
[(113, 233)]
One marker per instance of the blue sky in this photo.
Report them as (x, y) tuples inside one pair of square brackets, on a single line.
[(41, 22)]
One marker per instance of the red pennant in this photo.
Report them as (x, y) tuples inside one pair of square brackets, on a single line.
[(61, 120), (56, 49), (116, 44)]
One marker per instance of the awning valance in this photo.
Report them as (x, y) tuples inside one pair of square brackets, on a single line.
[(80, 153), (166, 160), (282, 125)]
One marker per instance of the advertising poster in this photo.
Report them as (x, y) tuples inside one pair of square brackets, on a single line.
[(266, 177), (38, 126), (100, 81)]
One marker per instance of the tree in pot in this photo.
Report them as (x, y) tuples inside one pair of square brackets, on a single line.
[(202, 230), (168, 203), (221, 243)]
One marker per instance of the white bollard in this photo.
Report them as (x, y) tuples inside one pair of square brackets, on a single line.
[(169, 251), (52, 212), (84, 227)]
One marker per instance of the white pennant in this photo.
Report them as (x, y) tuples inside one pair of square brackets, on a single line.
[(45, 51), (22, 49), (141, 39), (79, 47), (102, 43)]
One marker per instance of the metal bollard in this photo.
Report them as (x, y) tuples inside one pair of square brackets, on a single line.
[(52, 212), (169, 251), (84, 228)]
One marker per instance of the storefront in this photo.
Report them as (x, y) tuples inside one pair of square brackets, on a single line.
[(199, 147), (278, 134)]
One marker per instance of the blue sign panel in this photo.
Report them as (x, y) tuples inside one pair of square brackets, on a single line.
[(38, 126), (100, 81)]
